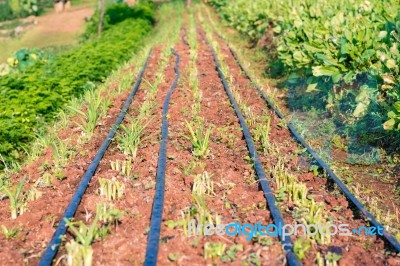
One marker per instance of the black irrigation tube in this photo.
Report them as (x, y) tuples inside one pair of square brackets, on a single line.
[(158, 201), (69, 213), (386, 235), (287, 242)]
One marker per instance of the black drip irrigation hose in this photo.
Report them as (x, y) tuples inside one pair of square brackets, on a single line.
[(69, 213), (287, 242), (386, 235), (158, 201)]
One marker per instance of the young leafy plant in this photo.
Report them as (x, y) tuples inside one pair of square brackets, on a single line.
[(18, 199), (112, 189), (129, 141), (200, 139)]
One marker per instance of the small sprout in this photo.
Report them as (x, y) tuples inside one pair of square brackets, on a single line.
[(111, 189), (123, 168), (18, 199), (200, 139), (203, 184), (149, 185), (171, 224), (301, 246), (332, 259), (60, 175), (214, 250), (195, 242), (34, 194), (173, 256), (108, 214), (230, 254), (45, 180), (78, 254), (9, 233)]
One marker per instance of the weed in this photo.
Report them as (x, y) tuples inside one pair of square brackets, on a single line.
[(45, 180)]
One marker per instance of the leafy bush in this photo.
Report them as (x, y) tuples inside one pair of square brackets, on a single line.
[(118, 12), (30, 98), (6, 12), (342, 55)]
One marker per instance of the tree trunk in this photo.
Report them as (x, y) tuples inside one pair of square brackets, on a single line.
[(101, 18), (188, 3), (58, 6), (67, 5)]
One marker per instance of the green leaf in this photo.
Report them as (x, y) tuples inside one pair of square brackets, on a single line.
[(391, 114), (325, 71), (336, 78), (388, 125), (367, 54), (397, 106), (361, 109), (382, 34), (312, 87), (390, 63)]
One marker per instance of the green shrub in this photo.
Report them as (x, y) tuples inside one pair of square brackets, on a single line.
[(30, 98), (342, 56), (6, 12), (117, 13)]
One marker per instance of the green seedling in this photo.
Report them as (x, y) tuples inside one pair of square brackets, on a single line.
[(78, 254), (253, 259), (261, 134), (214, 250), (18, 199), (124, 168), (230, 254), (200, 140), (111, 189), (129, 141), (203, 184), (60, 153), (332, 259), (88, 119), (173, 256), (34, 194), (108, 214), (9, 233), (300, 247), (45, 180)]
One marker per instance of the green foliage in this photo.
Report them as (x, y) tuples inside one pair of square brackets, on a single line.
[(341, 55), (117, 13), (31, 98), (25, 58), (12, 9)]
